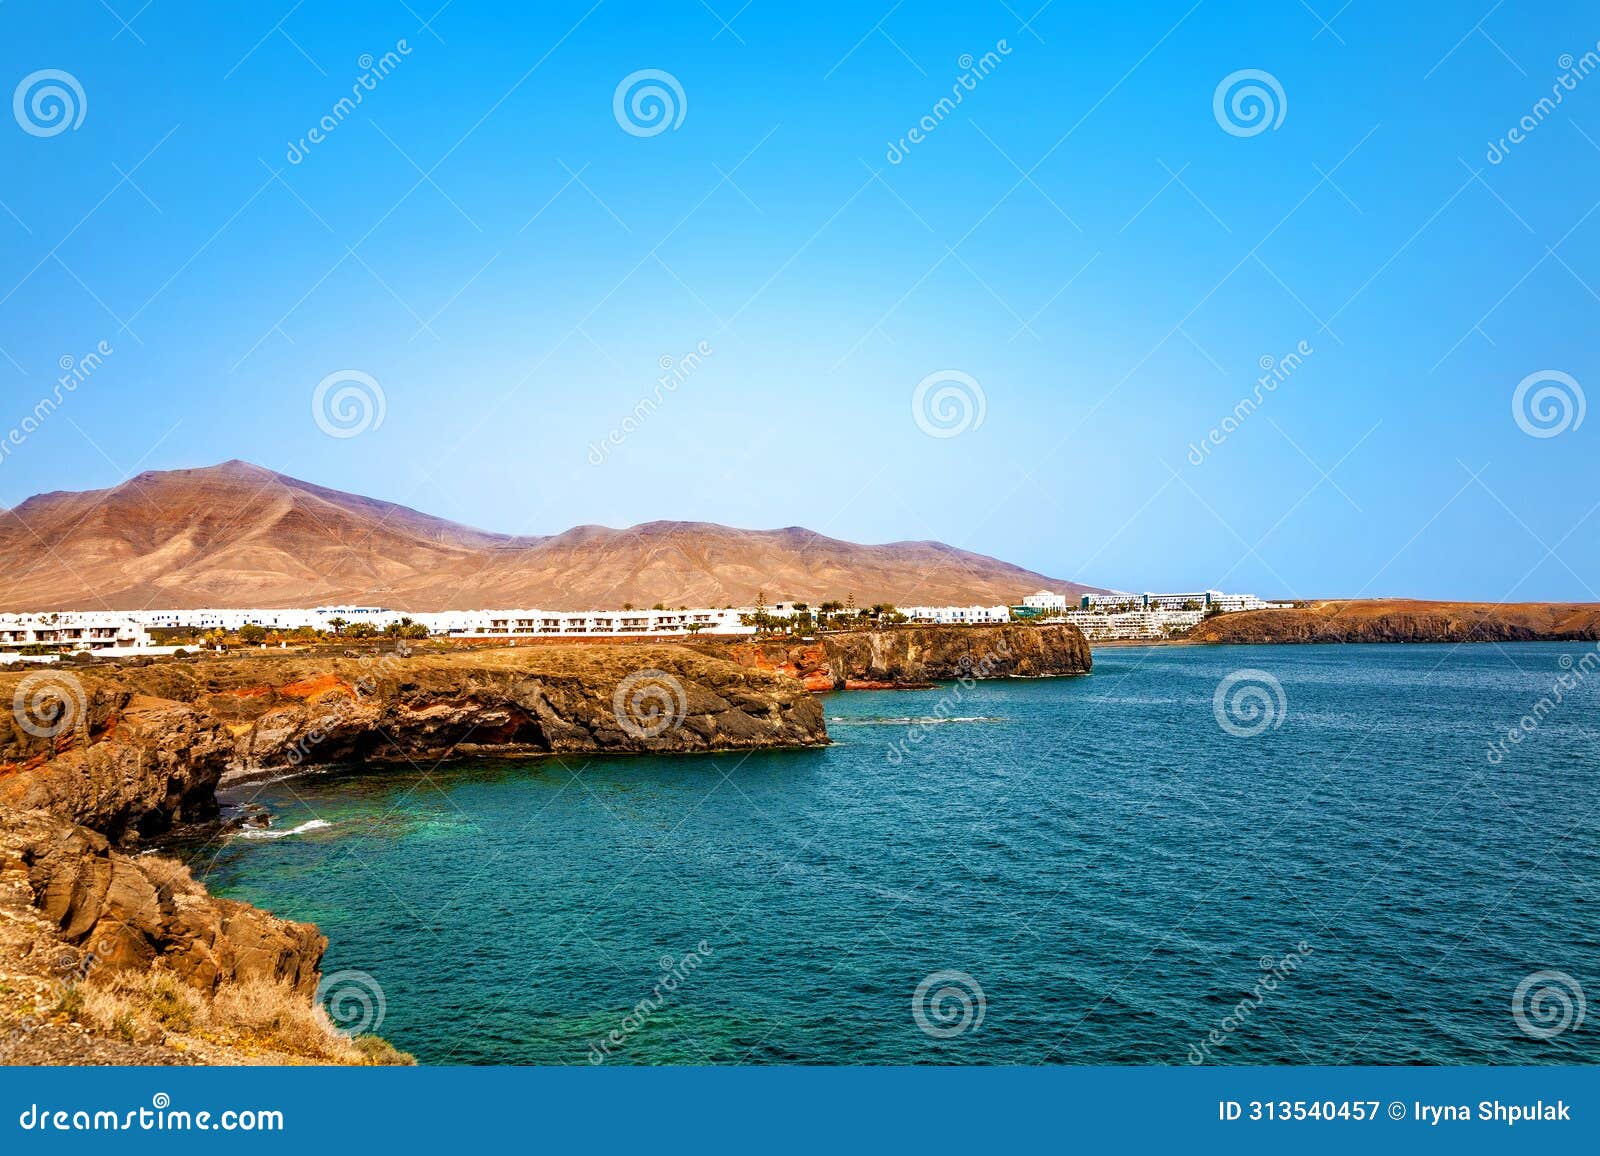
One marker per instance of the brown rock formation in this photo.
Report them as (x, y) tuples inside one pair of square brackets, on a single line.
[(147, 746), (904, 656), (128, 912), (1395, 620)]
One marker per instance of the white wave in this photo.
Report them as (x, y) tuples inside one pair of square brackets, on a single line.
[(268, 833), (257, 777)]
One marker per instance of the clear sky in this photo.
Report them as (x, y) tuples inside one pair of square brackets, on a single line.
[(1090, 244)]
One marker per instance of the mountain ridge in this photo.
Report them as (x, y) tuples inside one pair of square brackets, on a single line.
[(238, 535)]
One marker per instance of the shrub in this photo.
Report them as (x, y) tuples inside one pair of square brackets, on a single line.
[(257, 1016)]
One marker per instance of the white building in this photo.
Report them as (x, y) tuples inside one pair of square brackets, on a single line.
[(620, 623), (1102, 616), (1205, 599), (458, 623), (957, 615), (72, 630), (1132, 625)]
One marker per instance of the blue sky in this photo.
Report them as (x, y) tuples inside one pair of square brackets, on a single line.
[(1081, 239)]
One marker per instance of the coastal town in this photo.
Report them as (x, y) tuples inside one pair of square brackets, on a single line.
[(1105, 617)]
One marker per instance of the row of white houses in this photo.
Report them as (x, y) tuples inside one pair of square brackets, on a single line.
[(128, 631)]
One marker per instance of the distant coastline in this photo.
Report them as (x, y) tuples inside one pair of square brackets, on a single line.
[(1406, 620)]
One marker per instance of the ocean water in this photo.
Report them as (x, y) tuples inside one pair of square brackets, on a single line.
[(1091, 870)]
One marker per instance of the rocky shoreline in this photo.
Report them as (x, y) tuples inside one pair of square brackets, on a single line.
[(95, 763), (112, 956), (909, 657), (1396, 620)]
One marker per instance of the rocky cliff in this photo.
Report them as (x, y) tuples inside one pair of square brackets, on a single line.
[(904, 656), (97, 760), (1393, 620)]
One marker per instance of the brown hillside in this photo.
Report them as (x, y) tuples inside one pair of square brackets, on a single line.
[(240, 535)]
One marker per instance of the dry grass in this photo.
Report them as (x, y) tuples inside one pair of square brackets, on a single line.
[(258, 1018)]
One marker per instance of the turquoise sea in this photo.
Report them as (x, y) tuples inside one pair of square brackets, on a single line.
[(1072, 871)]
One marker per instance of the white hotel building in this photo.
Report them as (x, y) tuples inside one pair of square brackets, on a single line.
[(957, 615), (1120, 616), (71, 630), (1205, 599)]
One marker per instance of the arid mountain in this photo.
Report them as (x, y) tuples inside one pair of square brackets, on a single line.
[(240, 535)]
